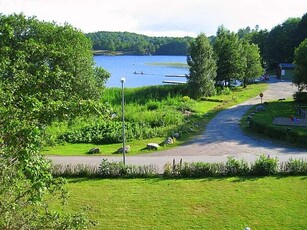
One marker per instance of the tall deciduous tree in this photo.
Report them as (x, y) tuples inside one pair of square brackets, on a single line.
[(202, 68), (301, 30), (281, 42), (46, 73), (228, 49), (252, 60), (300, 60)]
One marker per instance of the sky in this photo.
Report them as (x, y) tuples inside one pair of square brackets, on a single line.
[(160, 17)]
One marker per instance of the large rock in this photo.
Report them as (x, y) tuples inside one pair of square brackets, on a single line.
[(154, 146), (127, 149), (94, 150), (169, 141)]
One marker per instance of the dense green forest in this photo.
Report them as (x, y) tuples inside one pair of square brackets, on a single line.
[(276, 45), (133, 43)]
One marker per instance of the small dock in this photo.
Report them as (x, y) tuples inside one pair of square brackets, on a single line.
[(174, 82), (174, 75)]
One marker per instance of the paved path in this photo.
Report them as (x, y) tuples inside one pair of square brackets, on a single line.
[(221, 139)]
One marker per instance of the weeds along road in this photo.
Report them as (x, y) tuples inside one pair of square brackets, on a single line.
[(221, 139)]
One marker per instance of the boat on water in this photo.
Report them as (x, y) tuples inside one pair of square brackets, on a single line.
[(138, 72)]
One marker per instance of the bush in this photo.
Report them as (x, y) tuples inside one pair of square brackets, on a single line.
[(300, 97), (119, 170), (294, 167), (236, 167), (152, 105), (264, 166), (186, 98), (193, 170), (79, 170)]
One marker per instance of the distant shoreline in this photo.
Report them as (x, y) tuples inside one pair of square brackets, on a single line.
[(114, 53)]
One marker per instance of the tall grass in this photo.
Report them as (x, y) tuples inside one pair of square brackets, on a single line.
[(144, 94)]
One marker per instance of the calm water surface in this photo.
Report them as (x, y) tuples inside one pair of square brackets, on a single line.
[(146, 72)]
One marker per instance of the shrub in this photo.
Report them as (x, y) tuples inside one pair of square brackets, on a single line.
[(152, 105), (119, 170), (112, 169), (264, 166), (193, 170), (79, 170), (300, 97), (186, 98), (236, 167), (294, 167)]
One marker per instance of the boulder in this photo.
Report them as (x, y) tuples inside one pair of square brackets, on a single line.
[(152, 146), (94, 150), (127, 149), (176, 135), (169, 141)]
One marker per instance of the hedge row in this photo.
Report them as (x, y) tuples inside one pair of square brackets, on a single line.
[(278, 132), (263, 166)]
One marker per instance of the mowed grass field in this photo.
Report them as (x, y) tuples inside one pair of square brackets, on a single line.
[(212, 203)]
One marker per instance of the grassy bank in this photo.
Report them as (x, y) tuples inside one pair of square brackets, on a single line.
[(228, 203), (155, 113), (169, 64)]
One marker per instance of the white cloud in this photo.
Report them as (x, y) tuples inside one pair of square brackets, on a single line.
[(160, 17)]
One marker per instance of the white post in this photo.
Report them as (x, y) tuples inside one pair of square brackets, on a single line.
[(122, 80)]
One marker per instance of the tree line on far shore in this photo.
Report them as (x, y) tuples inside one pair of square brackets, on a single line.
[(276, 46), (132, 43)]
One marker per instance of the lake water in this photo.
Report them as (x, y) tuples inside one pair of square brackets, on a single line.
[(141, 70)]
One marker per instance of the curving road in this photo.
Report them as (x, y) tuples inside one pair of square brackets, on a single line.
[(221, 139)]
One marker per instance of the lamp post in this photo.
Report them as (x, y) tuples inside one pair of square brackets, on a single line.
[(122, 80)]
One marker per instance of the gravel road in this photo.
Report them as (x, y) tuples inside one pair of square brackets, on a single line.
[(221, 139)]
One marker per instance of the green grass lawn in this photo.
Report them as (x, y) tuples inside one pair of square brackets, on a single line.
[(214, 203)]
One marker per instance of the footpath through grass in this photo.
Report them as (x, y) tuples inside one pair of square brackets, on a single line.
[(214, 203)]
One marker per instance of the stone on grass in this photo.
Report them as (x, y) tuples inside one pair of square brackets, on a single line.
[(94, 150), (127, 149), (154, 146), (169, 141)]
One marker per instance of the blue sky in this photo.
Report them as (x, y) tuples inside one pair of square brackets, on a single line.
[(160, 17)]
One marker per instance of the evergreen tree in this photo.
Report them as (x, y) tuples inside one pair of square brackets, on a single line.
[(202, 68)]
